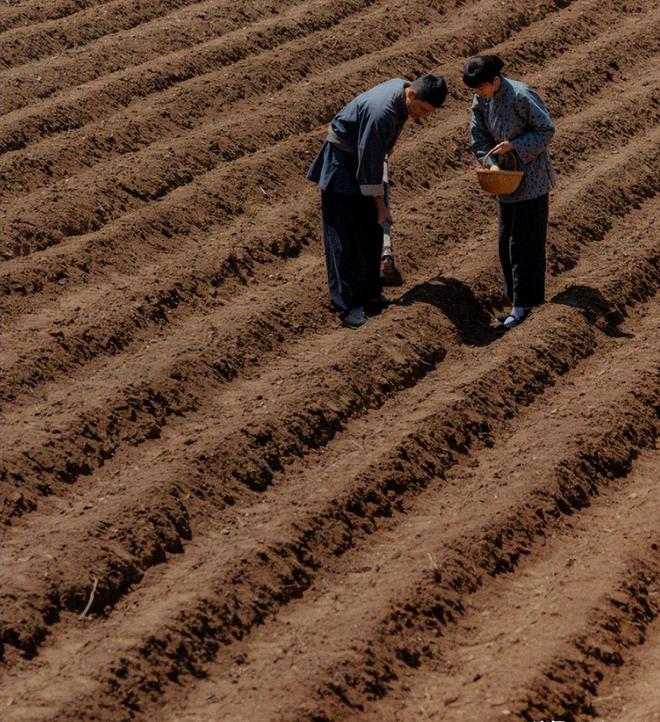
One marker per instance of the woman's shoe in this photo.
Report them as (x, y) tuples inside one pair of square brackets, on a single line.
[(512, 321)]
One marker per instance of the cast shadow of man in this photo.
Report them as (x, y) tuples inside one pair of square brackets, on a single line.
[(596, 308), (457, 301)]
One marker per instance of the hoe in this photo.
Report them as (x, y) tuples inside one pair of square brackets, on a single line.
[(389, 273)]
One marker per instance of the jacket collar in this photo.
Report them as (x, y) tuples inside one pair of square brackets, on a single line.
[(505, 92)]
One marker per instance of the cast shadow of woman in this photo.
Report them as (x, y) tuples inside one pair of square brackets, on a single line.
[(595, 307), (457, 301)]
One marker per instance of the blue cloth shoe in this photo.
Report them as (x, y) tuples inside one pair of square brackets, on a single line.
[(354, 318), (512, 321)]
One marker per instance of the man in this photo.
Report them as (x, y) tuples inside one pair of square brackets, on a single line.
[(349, 172)]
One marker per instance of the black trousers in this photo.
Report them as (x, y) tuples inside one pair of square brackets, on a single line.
[(522, 236), (353, 245)]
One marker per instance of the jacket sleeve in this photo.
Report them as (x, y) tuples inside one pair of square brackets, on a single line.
[(481, 140), (534, 141), (373, 142)]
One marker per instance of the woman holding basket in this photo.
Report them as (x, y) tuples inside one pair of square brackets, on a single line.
[(511, 128)]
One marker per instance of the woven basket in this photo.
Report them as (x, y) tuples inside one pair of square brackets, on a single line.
[(500, 182)]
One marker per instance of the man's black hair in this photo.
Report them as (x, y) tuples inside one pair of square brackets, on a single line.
[(430, 88), (482, 69)]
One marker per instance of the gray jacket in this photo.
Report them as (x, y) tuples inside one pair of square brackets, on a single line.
[(516, 113)]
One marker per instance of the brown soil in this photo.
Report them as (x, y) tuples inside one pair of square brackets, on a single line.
[(266, 516)]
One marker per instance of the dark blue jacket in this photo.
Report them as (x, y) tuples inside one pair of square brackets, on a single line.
[(361, 134)]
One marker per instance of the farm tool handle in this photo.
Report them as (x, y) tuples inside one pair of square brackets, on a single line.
[(389, 273), (387, 239), (387, 242)]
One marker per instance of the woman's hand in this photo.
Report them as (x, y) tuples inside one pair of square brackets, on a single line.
[(506, 146)]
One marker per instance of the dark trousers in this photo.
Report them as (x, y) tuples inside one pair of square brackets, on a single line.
[(353, 246), (523, 230)]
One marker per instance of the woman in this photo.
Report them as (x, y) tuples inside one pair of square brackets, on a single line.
[(511, 124)]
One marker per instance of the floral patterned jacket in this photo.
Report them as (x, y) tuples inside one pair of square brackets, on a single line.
[(516, 113)]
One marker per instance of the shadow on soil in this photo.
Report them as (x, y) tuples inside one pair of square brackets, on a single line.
[(596, 307), (459, 304)]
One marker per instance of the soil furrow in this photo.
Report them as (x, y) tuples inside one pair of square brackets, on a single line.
[(36, 11), (128, 185), (84, 262), (206, 97), (214, 622), (631, 693), (156, 173), (618, 625), (143, 410), (218, 503), (142, 549), (33, 42), (191, 69), (98, 87), (159, 304), (102, 252), (555, 607), (410, 631), (422, 635)]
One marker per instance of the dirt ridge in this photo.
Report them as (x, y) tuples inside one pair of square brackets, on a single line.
[(217, 503)]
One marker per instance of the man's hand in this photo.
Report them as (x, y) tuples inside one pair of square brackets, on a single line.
[(384, 215), (383, 211)]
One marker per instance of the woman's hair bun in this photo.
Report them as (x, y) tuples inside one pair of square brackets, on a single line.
[(481, 69)]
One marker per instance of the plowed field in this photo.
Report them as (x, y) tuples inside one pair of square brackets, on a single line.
[(218, 504)]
